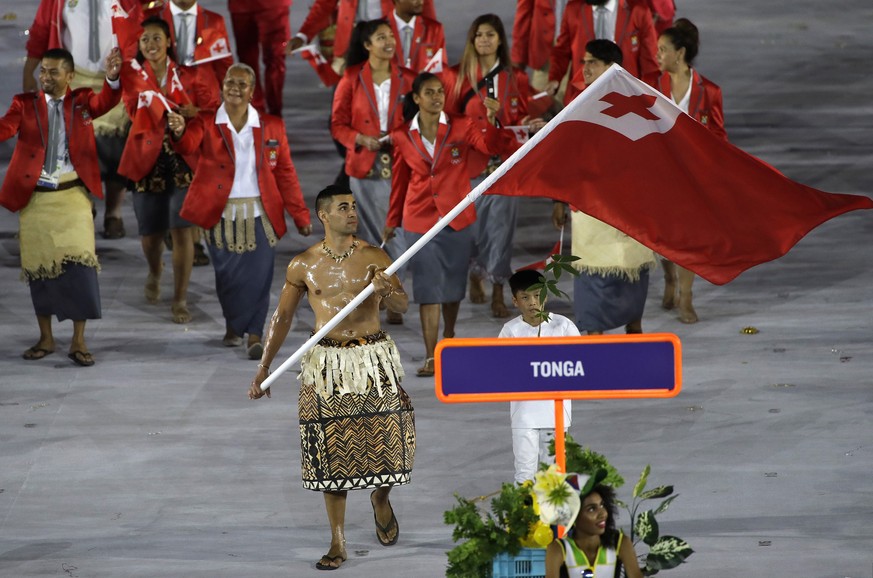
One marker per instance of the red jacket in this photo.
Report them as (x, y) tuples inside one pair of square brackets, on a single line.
[(427, 38), (237, 6), (533, 32), (705, 102), (423, 190), (277, 179), (634, 34), (28, 118), (211, 39), (47, 30), (145, 140), (320, 14), (513, 92), (355, 112)]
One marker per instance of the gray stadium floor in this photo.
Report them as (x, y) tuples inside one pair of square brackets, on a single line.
[(154, 463)]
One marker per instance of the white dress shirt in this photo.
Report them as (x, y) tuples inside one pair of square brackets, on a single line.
[(401, 25), (383, 102), (685, 100), (538, 414), (429, 146), (192, 28), (610, 14), (245, 176), (76, 38), (369, 10)]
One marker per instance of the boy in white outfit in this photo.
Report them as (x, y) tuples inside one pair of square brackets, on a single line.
[(533, 422)]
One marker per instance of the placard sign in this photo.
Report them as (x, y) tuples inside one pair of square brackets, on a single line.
[(557, 368)]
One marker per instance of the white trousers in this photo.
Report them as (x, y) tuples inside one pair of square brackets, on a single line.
[(530, 447)]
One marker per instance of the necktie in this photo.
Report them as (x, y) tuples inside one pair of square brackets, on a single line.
[(50, 166), (600, 24), (407, 43), (182, 39), (94, 30)]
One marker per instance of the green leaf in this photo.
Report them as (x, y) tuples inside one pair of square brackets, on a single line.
[(554, 289), (668, 552), (557, 273), (641, 484), (659, 492), (646, 527), (665, 504)]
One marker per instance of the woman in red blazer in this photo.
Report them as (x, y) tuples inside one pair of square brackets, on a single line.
[(151, 83), (367, 106), (485, 81), (700, 98), (431, 175), (244, 182)]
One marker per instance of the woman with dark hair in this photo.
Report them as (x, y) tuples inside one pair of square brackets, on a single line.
[(487, 89), (367, 106), (151, 85), (594, 547), (430, 177), (702, 100)]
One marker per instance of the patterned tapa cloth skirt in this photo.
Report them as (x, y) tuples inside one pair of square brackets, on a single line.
[(357, 425), (243, 254), (58, 255)]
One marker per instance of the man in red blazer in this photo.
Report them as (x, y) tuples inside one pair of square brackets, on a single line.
[(53, 168), (59, 21), (348, 13), (634, 32), (207, 39), (536, 26), (426, 35), (261, 29)]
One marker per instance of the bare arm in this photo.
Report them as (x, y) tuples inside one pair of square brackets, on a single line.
[(554, 559), (280, 324), (389, 289), (28, 81), (629, 559)]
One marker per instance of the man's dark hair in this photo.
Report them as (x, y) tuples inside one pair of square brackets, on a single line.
[(63, 55), (605, 50), (524, 280), (326, 195)]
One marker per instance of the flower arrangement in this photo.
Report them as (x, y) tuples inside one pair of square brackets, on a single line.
[(522, 516)]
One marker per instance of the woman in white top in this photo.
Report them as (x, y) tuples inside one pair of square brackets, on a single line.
[(593, 548)]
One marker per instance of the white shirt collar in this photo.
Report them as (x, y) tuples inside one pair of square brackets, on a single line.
[(175, 10), (49, 98), (401, 24), (611, 5), (413, 125), (252, 121)]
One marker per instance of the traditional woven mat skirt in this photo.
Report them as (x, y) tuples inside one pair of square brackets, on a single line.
[(243, 278), (364, 438), (603, 302)]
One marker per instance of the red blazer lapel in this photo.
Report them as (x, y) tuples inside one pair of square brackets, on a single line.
[(622, 22), (697, 93)]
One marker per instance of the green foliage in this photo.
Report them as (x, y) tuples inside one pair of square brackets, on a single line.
[(488, 533), (587, 461), (668, 552), (552, 274), (485, 535), (665, 552)]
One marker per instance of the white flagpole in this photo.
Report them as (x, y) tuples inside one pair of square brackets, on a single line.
[(439, 226)]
